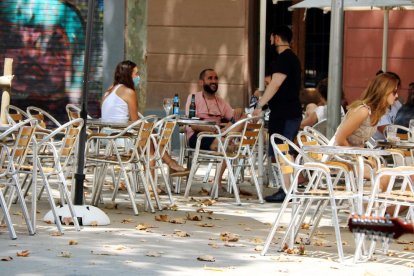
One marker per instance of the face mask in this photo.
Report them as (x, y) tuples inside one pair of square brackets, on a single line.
[(136, 80)]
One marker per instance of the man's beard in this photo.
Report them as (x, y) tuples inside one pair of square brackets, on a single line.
[(210, 90)]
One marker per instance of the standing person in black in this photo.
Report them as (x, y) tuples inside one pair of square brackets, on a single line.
[(282, 95)]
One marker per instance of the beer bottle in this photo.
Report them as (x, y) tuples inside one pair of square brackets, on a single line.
[(192, 110)]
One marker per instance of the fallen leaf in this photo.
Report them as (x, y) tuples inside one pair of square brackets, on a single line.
[(120, 247), (194, 217), (173, 207), (247, 229), (177, 220), (55, 234), (6, 259), (48, 222), (163, 218), (203, 192), (73, 242), (229, 237), (201, 210), (125, 221), (94, 223), (408, 248), (122, 186), (402, 242), (205, 224), (208, 202), (392, 254), (18, 213), (206, 258), (65, 254), (258, 241), (143, 226), (258, 248), (305, 226), (24, 253), (181, 233), (153, 254), (214, 245)]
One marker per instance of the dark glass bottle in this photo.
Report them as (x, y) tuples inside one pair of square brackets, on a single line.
[(192, 110)]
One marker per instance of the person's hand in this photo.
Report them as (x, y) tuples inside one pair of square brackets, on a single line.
[(238, 113), (257, 112)]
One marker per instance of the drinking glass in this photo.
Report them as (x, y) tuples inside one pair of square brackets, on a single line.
[(167, 103), (392, 134), (411, 127)]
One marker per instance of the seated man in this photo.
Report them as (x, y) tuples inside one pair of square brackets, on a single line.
[(210, 107)]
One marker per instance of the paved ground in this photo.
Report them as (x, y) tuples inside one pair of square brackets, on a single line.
[(163, 248)]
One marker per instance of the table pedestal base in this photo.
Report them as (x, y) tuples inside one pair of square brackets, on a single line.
[(86, 214)]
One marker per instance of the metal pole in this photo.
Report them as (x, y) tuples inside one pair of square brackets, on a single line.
[(335, 67), (385, 40), (80, 176), (262, 44), (261, 84)]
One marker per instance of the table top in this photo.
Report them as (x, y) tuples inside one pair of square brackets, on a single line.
[(100, 123), (395, 144), (193, 121), (344, 150)]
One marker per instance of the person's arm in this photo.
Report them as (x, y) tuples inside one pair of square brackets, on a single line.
[(130, 98), (271, 90), (353, 121), (309, 120)]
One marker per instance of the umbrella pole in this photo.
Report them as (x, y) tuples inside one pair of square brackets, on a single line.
[(86, 214), (385, 40)]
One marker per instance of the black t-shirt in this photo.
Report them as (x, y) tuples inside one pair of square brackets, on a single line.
[(285, 103)]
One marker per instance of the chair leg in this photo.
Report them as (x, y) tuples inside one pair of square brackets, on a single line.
[(51, 200), (66, 194), (3, 205), (23, 205)]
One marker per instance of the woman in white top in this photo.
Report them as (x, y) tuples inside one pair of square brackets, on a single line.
[(120, 104)]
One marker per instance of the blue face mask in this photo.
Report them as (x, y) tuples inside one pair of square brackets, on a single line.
[(136, 80)]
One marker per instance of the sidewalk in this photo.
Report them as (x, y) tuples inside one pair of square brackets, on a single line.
[(162, 248)]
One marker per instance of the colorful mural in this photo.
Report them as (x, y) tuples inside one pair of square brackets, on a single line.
[(46, 40)]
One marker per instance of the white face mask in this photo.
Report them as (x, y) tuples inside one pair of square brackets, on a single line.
[(136, 80)]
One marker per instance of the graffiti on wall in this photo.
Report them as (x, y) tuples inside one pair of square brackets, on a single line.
[(46, 40)]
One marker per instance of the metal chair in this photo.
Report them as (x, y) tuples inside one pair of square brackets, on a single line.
[(292, 161), (12, 156), (46, 122), (132, 160), (243, 144), (55, 152)]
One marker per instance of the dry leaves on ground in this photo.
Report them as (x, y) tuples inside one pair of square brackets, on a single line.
[(55, 234), (122, 186), (300, 250), (229, 237), (180, 233), (305, 226), (205, 224), (213, 245), (193, 217), (201, 210), (206, 258), (125, 221), (6, 259), (177, 220), (65, 254), (153, 254), (203, 192), (173, 207), (258, 248), (73, 242), (144, 226), (24, 253), (163, 218)]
